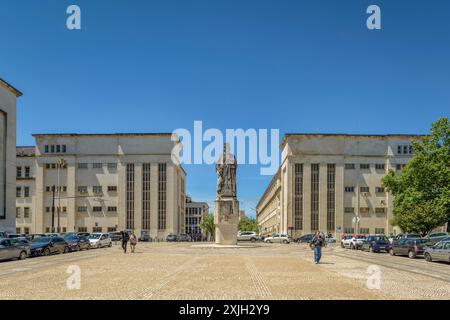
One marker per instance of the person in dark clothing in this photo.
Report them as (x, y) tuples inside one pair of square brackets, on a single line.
[(316, 244), (125, 238)]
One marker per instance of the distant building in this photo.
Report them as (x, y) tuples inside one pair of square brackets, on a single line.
[(241, 214), (8, 97), (332, 183), (195, 211)]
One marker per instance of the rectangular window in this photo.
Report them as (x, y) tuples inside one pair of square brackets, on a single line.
[(349, 230), (112, 209), (64, 188), (405, 149), (379, 189), (112, 166), (47, 166), (18, 192), (112, 229), (97, 209), (364, 230), (97, 165), (315, 196), (26, 192), (82, 189), (58, 148), (349, 166), (64, 149), (130, 195), (53, 165), (26, 212), (64, 209), (146, 196), (112, 188), (298, 196), (399, 149), (47, 229), (349, 189), (349, 210), (162, 196), (331, 178), (82, 209), (364, 166), (379, 166), (381, 210), (52, 148), (19, 172), (82, 229), (26, 230), (379, 230), (46, 148), (64, 229), (364, 210), (18, 212), (47, 209), (82, 165), (27, 172), (364, 189), (97, 189), (96, 229), (410, 150)]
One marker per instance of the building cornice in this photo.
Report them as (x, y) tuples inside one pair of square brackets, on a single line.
[(10, 88)]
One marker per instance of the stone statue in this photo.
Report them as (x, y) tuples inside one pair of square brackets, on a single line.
[(226, 174)]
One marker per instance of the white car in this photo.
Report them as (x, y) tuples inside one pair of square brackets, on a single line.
[(353, 241), (100, 240), (247, 236), (278, 238)]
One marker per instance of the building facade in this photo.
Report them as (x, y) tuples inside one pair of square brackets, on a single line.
[(103, 183), (8, 97), (195, 212), (25, 190), (332, 183)]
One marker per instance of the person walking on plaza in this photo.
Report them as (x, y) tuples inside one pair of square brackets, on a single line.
[(125, 238), (316, 244), (133, 242)]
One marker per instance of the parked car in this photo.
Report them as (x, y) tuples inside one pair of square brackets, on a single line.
[(247, 236), (13, 249), (100, 240), (354, 241), (278, 238), (171, 237), (411, 247), (438, 252), (77, 243), (145, 237), (306, 238), (3, 234), (376, 243), (14, 235), (83, 234), (45, 246), (115, 236), (330, 239), (435, 237), (184, 237), (50, 234)]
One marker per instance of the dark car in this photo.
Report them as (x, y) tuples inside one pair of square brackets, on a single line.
[(145, 237), (306, 238), (83, 234), (411, 247), (171, 238), (376, 243), (435, 237), (77, 243), (13, 249), (184, 237), (45, 246), (115, 236)]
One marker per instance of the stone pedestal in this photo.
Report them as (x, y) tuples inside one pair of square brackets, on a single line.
[(226, 219)]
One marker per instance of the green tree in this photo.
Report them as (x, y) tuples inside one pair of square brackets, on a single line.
[(248, 224), (207, 225), (422, 190)]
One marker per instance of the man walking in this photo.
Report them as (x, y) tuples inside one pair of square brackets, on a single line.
[(316, 244), (125, 238)]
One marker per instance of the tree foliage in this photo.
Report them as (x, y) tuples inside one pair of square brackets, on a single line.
[(422, 190), (248, 224), (207, 225)]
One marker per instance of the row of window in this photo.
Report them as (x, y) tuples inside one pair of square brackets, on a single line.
[(23, 170), (364, 230), (97, 229), (364, 210), (364, 166), (26, 212), (97, 165), (363, 189), (57, 188), (96, 189), (404, 149), (26, 230), (25, 193), (49, 209), (52, 148), (56, 165), (85, 209)]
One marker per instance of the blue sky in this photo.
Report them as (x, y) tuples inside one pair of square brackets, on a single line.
[(297, 66)]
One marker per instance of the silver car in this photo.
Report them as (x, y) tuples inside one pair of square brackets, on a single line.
[(439, 252), (13, 249), (247, 236)]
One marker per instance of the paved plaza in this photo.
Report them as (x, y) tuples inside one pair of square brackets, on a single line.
[(189, 271)]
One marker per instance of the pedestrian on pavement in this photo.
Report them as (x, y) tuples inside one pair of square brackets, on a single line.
[(125, 238), (133, 242), (316, 244)]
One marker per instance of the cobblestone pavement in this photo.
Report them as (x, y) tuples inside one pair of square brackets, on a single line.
[(189, 271)]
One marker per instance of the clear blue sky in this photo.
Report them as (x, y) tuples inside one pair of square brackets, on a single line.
[(154, 66)]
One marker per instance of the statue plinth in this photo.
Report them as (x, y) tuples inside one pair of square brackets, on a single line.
[(226, 219)]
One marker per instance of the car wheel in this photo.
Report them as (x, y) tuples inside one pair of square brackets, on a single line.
[(391, 252), (342, 245), (46, 252), (253, 239), (77, 248), (428, 257), (411, 254), (371, 249), (23, 255), (110, 244), (66, 249), (269, 241), (285, 241)]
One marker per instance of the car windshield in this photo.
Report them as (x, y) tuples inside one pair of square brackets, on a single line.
[(70, 237), (41, 240), (95, 236)]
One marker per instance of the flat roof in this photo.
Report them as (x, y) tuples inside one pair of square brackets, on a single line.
[(358, 135), (9, 87), (25, 151), (99, 134)]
